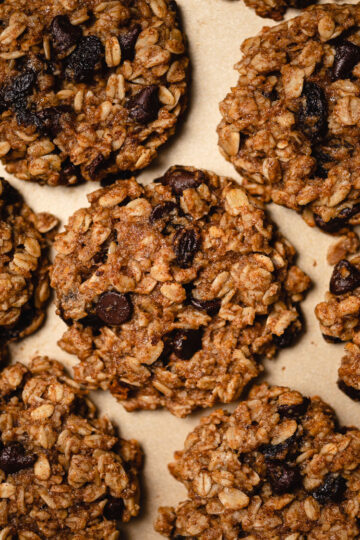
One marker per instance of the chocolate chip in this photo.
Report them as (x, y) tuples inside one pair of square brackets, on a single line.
[(185, 343), (331, 339), (345, 278), (95, 166), (347, 55), (186, 243), (212, 307), (114, 509), (350, 391), (312, 116), (81, 63), (49, 119), (144, 106), (15, 93), (13, 458), (161, 210), (332, 489), (294, 411), (128, 41), (180, 179), (286, 338), (283, 478), (114, 308), (64, 34)]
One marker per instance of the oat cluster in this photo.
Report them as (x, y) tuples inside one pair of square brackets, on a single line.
[(275, 9), (279, 467), (64, 472), (291, 124), (171, 290), (88, 87)]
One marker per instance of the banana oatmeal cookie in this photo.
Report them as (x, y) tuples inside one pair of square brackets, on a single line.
[(339, 317), (88, 87), (170, 290), (278, 468), (291, 125), (24, 280), (65, 474)]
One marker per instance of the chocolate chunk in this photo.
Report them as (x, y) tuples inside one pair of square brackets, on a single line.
[(13, 458), (350, 391), (331, 339), (49, 119), (64, 34), (212, 307), (294, 411), (161, 210), (114, 308), (81, 63), (347, 55), (283, 478), (312, 116), (345, 278), (128, 41), (185, 343), (186, 244), (114, 509), (332, 489), (180, 179), (95, 166), (286, 338), (144, 106), (16, 92)]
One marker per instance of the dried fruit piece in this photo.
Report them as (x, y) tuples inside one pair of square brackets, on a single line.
[(81, 64), (13, 458), (332, 489), (283, 477), (187, 243), (162, 210), (312, 116), (212, 307), (346, 57), (345, 278), (114, 509)]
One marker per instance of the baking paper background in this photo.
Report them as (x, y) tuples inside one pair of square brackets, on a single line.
[(215, 30)]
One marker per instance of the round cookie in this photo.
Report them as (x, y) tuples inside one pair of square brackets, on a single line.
[(339, 320), (88, 87), (65, 473), (170, 290), (275, 9), (291, 125), (279, 467), (24, 264)]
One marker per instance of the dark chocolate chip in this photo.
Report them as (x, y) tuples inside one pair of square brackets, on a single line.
[(144, 106), (114, 308), (350, 391), (347, 55), (283, 478), (345, 278), (313, 112), (161, 210), (332, 489), (95, 166), (114, 509), (212, 307), (13, 458), (127, 42), (180, 179), (186, 244), (81, 63), (64, 34), (286, 338), (185, 343), (294, 411), (331, 339)]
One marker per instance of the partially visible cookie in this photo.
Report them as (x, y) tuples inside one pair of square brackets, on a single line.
[(64, 472), (278, 467), (171, 290), (291, 125), (275, 9), (24, 264), (88, 87), (339, 320)]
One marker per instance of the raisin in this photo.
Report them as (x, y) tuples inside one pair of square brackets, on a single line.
[(180, 179), (321, 160), (345, 278), (114, 509), (185, 343), (286, 338), (81, 63), (68, 170), (335, 224), (332, 489), (161, 210), (350, 391), (312, 116), (294, 411), (64, 34), (16, 92), (283, 478), (331, 339), (186, 244), (278, 451), (144, 106), (13, 458), (127, 42), (95, 166), (347, 55), (114, 308), (212, 307), (49, 119)]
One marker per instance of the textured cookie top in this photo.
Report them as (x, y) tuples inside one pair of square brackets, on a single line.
[(24, 282), (64, 472), (291, 124), (87, 87), (170, 289), (277, 467)]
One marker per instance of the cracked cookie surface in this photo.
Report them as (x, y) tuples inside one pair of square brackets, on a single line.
[(291, 124), (24, 264), (64, 472), (171, 290), (278, 467), (88, 87)]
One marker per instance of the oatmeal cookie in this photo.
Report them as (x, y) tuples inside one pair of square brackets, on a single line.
[(65, 473), (24, 280), (291, 125), (88, 87), (275, 9), (339, 317), (170, 290), (278, 467)]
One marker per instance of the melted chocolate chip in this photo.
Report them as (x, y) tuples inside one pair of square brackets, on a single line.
[(13, 458), (312, 116), (128, 41), (345, 278), (185, 343), (331, 339), (347, 55), (283, 478), (186, 244), (114, 509), (161, 210), (179, 179), (294, 411), (144, 106), (82, 61), (332, 489), (114, 308), (350, 391), (64, 34), (212, 307)]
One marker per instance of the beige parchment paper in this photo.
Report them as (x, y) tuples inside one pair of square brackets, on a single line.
[(215, 30)]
